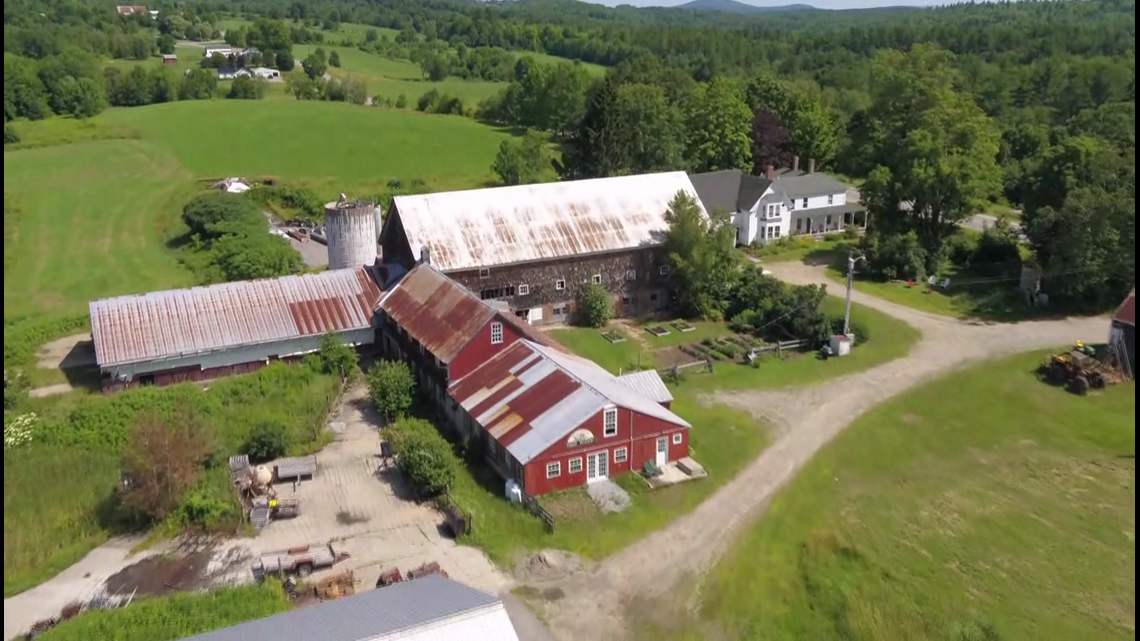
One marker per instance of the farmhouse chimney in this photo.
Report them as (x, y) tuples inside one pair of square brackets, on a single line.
[(811, 165), (795, 163), (425, 255), (769, 172)]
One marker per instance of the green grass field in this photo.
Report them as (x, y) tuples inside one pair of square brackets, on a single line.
[(331, 146), (93, 222), (985, 505)]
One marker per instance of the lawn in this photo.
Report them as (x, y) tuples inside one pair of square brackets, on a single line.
[(93, 221), (176, 616), (985, 505), (805, 248), (723, 440), (330, 146)]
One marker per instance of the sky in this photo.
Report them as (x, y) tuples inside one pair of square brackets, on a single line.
[(821, 4)]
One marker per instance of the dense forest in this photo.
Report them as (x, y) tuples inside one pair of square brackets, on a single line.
[(1027, 103)]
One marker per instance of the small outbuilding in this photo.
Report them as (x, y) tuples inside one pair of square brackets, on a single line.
[(1122, 335), (169, 59), (430, 608)]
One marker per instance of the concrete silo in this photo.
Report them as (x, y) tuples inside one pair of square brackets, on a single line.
[(351, 229)]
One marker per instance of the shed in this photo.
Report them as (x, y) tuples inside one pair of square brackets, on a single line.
[(1122, 335), (431, 608), (169, 59), (649, 384)]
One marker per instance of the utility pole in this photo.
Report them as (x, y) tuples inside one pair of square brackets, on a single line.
[(851, 260)]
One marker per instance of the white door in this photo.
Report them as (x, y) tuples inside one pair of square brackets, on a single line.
[(597, 466), (662, 451)]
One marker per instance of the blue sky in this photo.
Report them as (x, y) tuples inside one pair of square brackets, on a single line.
[(822, 4)]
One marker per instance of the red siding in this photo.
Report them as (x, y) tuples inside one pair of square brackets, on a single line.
[(479, 349), (641, 448), (192, 374)]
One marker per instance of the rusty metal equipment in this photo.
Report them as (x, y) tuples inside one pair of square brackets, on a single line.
[(431, 567), (389, 577)]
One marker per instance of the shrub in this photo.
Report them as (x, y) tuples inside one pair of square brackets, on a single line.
[(746, 321), (162, 462), (858, 328), (213, 214), (595, 308), (10, 135), (427, 460), (960, 248), (398, 431), (390, 386), (997, 252), (266, 442), (246, 88), (202, 507), (337, 357), (851, 232)]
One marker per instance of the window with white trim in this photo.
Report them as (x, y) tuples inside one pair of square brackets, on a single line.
[(664, 269), (831, 199), (829, 219), (631, 274), (620, 455), (560, 284), (777, 234), (524, 290), (553, 470), (805, 203), (484, 273), (496, 333), (597, 279), (677, 438), (609, 422), (575, 465)]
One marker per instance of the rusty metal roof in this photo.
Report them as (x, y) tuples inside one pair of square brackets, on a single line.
[(529, 397), (436, 311), (183, 322), (505, 225), (1126, 313)]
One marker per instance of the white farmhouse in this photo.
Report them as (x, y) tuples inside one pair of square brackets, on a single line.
[(782, 202)]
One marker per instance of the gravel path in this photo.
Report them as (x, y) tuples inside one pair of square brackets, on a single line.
[(805, 418)]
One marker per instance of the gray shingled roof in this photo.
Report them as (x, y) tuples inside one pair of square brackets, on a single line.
[(367, 615), (733, 190), (806, 185), (718, 189)]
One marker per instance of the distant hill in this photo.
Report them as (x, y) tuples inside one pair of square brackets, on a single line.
[(732, 6)]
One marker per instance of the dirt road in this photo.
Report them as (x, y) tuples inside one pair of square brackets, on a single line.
[(804, 419)]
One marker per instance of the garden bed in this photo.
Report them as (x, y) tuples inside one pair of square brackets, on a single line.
[(658, 330), (614, 336), (682, 326)]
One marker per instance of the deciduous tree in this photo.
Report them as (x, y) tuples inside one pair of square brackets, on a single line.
[(702, 254), (771, 142), (717, 123), (161, 463), (522, 162), (390, 386)]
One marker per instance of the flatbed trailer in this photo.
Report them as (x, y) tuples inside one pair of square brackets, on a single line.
[(302, 561)]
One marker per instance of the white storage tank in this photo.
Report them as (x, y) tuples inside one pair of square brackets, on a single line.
[(514, 492), (350, 227)]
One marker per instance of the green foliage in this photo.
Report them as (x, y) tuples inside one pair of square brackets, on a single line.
[(10, 135), (702, 255), (198, 84), (24, 94), (427, 459), (998, 252), (390, 386), (523, 162), (718, 123), (435, 102), (595, 306), (315, 64), (246, 88), (813, 131), (776, 311), (401, 101), (266, 442), (334, 59), (398, 431), (234, 238), (858, 328), (213, 214), (165, 44), (176, 616), (895, 256), (300, 199), (336, 357)]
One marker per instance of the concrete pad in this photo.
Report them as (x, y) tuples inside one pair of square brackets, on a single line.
[(609, 496)]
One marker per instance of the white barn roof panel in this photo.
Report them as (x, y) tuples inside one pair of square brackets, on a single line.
[(505, 225)]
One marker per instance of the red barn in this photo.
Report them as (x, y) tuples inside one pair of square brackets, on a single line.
[(442, 329), (552, 420)]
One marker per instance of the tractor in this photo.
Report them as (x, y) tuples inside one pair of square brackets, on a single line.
[(1078, 369)]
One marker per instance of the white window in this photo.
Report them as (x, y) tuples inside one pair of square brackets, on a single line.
[(677, 438), (805, 203), (830, 199), (664, 269), (777, 234), (631, 274), (829, 219), (553, 470), (799, 224), (597, 279), (620, 455), (610, 418), (524, 290), (560, 284), (575, 465), (496, 333), (484, 273)]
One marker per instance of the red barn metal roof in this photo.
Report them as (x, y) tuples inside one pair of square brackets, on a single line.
[(1126, 313), (182, 322), (529, 397), (436, 311)]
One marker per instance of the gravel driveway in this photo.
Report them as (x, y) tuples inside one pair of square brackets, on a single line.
[(805, 418)]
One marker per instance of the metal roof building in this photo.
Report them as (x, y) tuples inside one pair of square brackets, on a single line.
[(465, 230), (531, 397), (436, 311), (224, 325), (648, 383), (432, 608)]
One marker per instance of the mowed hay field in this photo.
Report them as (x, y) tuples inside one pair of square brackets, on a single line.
[(986, 505)]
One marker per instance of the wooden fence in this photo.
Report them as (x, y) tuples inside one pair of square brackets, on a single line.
[(536, 509), (707, 363)]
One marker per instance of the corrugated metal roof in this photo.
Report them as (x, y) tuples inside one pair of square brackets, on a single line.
[(505, 225), (436, 311), (648, 383), (529, 397), (182, 322), (429, 608)]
